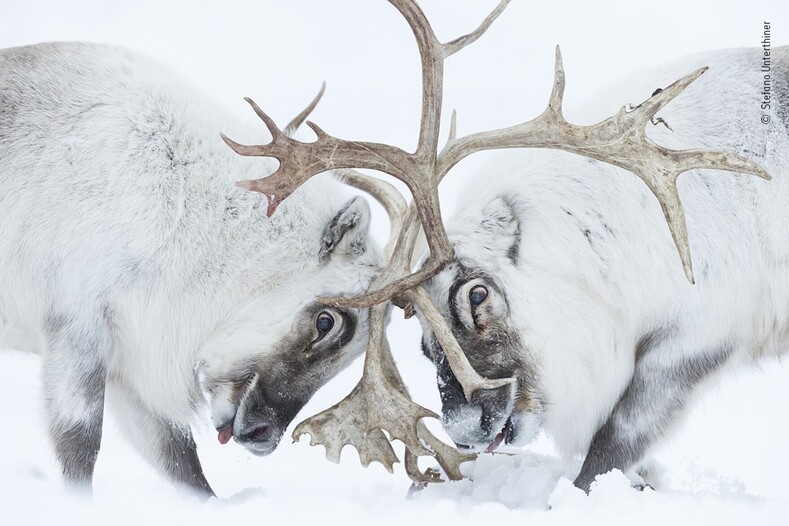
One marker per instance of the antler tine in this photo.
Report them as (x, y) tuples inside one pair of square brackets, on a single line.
[(268, 121), (557, 92), (297, 121), (453, 126), (450, 48), (241, 149), (290, 129)]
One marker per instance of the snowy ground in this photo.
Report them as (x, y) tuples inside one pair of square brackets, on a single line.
[(726, 466), (728, 463)]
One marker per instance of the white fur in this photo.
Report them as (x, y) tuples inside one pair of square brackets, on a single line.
[(117, 202), (581, 308)]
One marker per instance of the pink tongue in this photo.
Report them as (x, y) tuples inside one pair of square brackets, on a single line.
[(225, 434), (496, 441)]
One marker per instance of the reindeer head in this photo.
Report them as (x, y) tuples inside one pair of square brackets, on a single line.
[(264, 365), (470, 293), (380, 401)]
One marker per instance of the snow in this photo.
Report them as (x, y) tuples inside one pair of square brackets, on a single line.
[(728, 462)]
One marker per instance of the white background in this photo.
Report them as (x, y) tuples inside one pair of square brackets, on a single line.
[(727, 464)]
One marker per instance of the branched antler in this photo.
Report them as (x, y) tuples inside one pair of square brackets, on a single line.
[(380, 401), (619, 140), (299, 161), (613, 141)]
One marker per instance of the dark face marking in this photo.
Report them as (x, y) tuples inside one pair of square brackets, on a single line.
[(493, 350), (288, 378)]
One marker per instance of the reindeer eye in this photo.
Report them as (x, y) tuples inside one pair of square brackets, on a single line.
[(477, 295), (324, 323)]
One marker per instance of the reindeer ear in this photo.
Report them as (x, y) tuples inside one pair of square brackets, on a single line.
[(500, 221), (346, 234)]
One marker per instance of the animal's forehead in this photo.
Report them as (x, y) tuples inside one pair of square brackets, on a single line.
[(350, 277), (459, 271), (280, 308)]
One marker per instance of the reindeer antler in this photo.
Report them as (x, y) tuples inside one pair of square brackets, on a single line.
[(612, 141), (299, 161), (619, 140), (380, 400)]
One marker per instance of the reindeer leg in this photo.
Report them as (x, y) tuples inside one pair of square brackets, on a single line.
[(650, 405), (167, 446), (74, 378)]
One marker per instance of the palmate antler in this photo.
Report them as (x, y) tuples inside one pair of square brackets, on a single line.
[(380, 400)]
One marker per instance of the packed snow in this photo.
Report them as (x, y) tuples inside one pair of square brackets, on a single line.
[(727, 463)]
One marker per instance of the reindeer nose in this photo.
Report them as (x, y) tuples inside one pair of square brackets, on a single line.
[(260, 432)]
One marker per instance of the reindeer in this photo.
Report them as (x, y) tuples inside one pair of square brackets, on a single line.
[(563, 279), (133, 265), (555, 300)]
